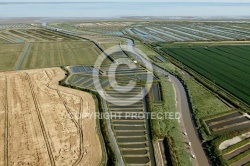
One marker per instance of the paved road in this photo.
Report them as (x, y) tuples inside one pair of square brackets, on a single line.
[(183, 107)]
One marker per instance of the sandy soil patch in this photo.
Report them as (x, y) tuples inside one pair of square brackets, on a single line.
[(233, 141), (38, 127)]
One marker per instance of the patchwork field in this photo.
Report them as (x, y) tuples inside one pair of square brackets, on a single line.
[(131, 132), (228, 122), (10, 55), (236, 151), (106, 27), (106, 42), (130, 129), (180, 32), (40, 115), (13, 26), (226, 66), (47, 54), (4, 39), (14, 35), (83, 76), (60, 53)]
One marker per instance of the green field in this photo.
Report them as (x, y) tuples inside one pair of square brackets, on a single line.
[(10, 55), (48, 54), (226, 66), (53, 54), (150, 53)]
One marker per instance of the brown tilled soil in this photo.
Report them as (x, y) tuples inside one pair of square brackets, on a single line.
[(39, 124)]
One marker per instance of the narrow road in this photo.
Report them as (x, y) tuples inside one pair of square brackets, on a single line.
[(183, 107), (23, 56)]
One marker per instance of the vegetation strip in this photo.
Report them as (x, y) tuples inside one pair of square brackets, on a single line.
[(239, 157), (236, 146)]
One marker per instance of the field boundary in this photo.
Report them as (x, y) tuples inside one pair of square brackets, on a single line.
[(23, 56), (80, 37)]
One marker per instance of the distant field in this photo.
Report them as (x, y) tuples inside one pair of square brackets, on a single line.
[(33, 35), (7, 38), (106, 42), (102, 27), (226, 66), (183, 32), (48, 54), (150, 53), (53, 54), (10, 55), (2, 41)]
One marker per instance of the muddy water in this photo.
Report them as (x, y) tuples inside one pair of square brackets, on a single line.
[(136, 160), (183, 107), (188, 120)]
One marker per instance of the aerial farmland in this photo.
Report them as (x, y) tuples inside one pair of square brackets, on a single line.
[(55, 76)]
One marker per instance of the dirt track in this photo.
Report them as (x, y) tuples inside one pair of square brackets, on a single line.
[(40, 126)]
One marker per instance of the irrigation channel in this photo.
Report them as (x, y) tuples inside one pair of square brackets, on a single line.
[(183, 107)]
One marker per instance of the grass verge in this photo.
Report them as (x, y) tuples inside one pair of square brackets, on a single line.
[(239, 157), (169, 128)]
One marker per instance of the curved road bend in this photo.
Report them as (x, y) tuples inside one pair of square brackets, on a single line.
[(183, 107)]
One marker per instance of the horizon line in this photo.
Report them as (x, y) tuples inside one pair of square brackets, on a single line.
[(117, 2)]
